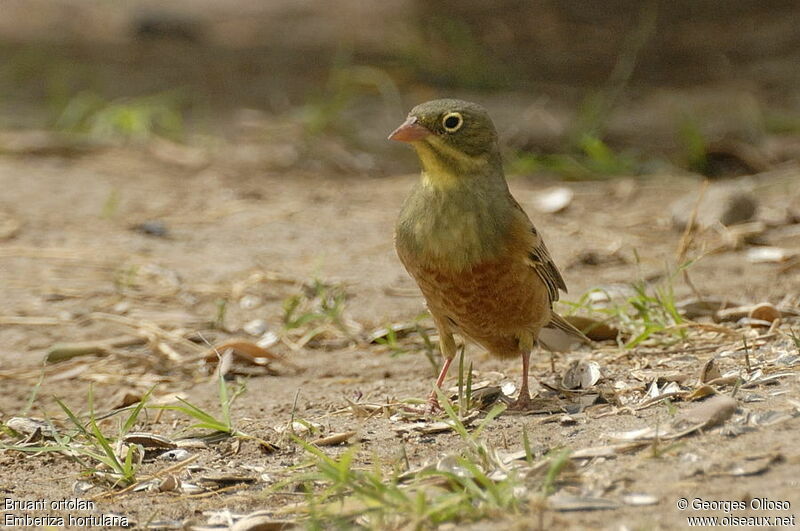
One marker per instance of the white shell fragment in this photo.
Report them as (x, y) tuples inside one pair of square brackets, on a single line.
[(581, 374), (638, 500), (178, 454), (710, 371), (767, 255), (508, 388), (567, 502), (299, 428), (335, 438), (267, 340), (29, 426), (256, 327)]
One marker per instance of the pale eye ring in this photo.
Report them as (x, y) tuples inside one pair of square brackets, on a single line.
[(452, 121)]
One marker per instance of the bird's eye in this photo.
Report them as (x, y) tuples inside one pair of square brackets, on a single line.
[(452, 122)]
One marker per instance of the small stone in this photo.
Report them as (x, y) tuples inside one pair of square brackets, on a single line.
[(249, 302), (122, 307), (725, 203), (554, 200), (156, 228)]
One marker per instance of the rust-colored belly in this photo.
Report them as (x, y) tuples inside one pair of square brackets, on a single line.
[(491, 303)]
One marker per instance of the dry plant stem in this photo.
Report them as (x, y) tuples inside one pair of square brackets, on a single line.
[(789, 265), (688, 280), (53, 253), (150, 330), (656, 399), (216, 492), (688, 234), (168, 470), (30, 321), (704, 326), (102, 347)]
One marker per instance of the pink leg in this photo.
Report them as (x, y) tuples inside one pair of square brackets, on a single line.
[(433, 401), (523, 401)]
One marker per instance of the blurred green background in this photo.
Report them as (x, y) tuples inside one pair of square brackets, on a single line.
[(579, 89)]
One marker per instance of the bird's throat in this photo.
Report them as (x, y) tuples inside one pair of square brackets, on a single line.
[(444, 166)]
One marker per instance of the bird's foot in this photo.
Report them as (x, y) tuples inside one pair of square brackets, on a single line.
[(522, 403), (430, 408), (433, 405)]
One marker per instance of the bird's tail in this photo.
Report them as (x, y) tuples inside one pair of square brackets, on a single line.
[(559, 334), (558, 322)]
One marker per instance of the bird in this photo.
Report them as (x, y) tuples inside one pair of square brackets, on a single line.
[(481, 265)]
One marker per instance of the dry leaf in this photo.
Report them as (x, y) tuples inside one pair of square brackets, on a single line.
[(765, 312), (245, 351), (701, 392)]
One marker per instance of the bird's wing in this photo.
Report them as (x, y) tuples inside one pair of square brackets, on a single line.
[(544, 266), (539, 258)]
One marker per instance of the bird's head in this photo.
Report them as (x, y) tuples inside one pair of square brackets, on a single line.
[(454, 140)]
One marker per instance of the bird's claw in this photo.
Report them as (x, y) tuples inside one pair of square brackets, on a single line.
[(522, 403), (433, 405)]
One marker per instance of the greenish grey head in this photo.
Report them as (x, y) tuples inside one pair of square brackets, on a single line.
[(461, 124), (448, 129)]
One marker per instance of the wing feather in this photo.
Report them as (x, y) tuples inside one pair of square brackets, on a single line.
[(543, 264), (541, 261)]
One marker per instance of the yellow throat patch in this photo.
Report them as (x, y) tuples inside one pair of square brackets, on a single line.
[(443, 165)]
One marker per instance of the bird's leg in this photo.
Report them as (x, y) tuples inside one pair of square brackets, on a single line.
[(448, 346), (433, 400), (523, 401)]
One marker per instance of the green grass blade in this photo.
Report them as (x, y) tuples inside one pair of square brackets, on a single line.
[(133, 417)]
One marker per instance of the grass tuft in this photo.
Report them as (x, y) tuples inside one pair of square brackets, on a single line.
[(124, 119), (206, 420)]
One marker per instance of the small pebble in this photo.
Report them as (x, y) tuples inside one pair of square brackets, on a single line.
[(152, 228)]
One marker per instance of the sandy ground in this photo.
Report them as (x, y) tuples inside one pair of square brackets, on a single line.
[(75, 260)]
